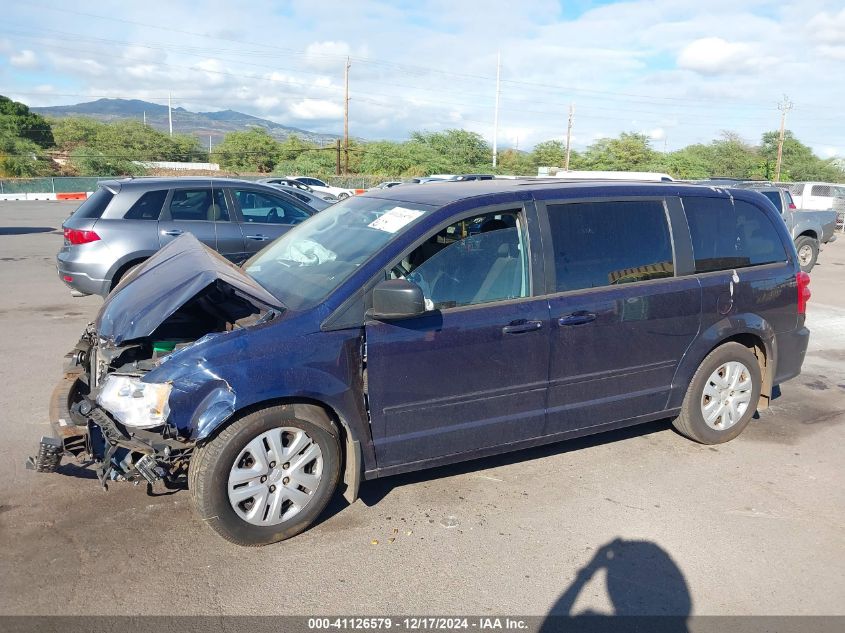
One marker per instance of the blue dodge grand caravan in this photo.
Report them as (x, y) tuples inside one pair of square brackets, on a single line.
[(422, 325)]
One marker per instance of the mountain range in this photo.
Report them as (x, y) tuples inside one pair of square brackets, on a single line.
[(204, 125)]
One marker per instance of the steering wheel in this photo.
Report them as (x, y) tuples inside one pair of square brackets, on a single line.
[(273, 216)]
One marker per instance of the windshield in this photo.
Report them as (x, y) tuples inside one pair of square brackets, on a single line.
[(308, 262)]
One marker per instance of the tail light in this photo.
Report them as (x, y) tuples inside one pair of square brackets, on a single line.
[(803, 280), (792, 206), (76, 237)]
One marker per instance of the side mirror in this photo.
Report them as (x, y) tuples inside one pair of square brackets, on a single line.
[(397, 299)]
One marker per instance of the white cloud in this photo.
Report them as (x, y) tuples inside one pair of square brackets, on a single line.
[(657, 134), (26, 60), (827, 28), (316, 109), (713, 55), (681, 66)]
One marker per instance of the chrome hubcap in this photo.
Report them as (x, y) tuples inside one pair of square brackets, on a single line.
[(805, 254), (727, 395), (275, 476)]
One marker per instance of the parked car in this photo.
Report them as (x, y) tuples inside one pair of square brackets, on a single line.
[(809, 229), (311, 199), (126, 221), (473, 177), (816, 196), (387, 184), (322, 187), (293, 183), (380, 337)]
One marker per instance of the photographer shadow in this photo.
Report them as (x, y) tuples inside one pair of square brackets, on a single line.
[(643, 583)]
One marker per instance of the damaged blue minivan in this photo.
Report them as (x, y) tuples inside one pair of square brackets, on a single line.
[(422, 325)]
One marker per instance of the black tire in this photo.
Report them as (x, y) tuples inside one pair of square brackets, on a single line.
[(811, 247), (342, 196), (120, 274), (211, 462), (691, 422)]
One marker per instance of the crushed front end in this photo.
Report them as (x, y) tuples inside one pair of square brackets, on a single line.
[(104, 415), (110, 411)]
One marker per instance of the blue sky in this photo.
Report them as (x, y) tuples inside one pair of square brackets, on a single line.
[(681, 71)]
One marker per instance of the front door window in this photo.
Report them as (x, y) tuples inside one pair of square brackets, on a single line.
[(477, 260)]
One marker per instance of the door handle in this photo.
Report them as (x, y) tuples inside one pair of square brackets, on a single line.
[(173, 232), (259, 238), (518, 327), (577, 318)]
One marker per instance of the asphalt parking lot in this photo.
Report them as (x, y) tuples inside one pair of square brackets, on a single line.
[(661, 524)]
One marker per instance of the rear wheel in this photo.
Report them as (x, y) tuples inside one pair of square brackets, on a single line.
[(266, 477), (722, 397), (808, 252)]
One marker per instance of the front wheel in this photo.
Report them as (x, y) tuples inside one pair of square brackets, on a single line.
[(267, 476), (808, 252), (722, 397)]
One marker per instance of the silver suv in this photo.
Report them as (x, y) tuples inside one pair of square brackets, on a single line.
[(125, 221)]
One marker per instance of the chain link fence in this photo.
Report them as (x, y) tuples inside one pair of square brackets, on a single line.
[(48, 185)]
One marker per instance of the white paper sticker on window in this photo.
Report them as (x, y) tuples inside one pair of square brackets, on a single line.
[(395, 219)]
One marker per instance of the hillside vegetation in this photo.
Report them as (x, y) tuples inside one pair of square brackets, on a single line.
[(31, 145)]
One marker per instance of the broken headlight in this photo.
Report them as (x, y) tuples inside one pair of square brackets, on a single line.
[(135, 403)]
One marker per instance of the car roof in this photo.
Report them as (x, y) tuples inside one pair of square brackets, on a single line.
[(447, 192), (157, 182)]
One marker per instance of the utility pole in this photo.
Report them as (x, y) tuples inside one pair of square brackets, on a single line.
[(337, 160), (496, 111), (170, 112), (784, 107), (569, 135), (346, 119)]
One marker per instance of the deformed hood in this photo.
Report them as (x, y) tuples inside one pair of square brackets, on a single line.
[(151, 293)]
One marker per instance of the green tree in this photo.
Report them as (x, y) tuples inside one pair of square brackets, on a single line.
[(629, 152), (516, 163), (549, 154), (254, 150), (92, 162), (21, 158), (18, 121), (798, 160), (462, 150)]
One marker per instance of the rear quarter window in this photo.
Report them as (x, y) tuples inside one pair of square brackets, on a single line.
[(148, 206), (774, 196), (726, 236), (95, 205)]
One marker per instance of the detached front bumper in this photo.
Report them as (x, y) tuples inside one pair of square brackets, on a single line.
[(87, 434)]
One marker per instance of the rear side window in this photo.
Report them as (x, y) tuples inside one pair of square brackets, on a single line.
[(774, 196), (821, 190), (199, 204), (797, 188), (94, 206), (608, 243), (726, 236), (148, 206)]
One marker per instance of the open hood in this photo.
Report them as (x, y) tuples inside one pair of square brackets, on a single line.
[(154, 291)]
